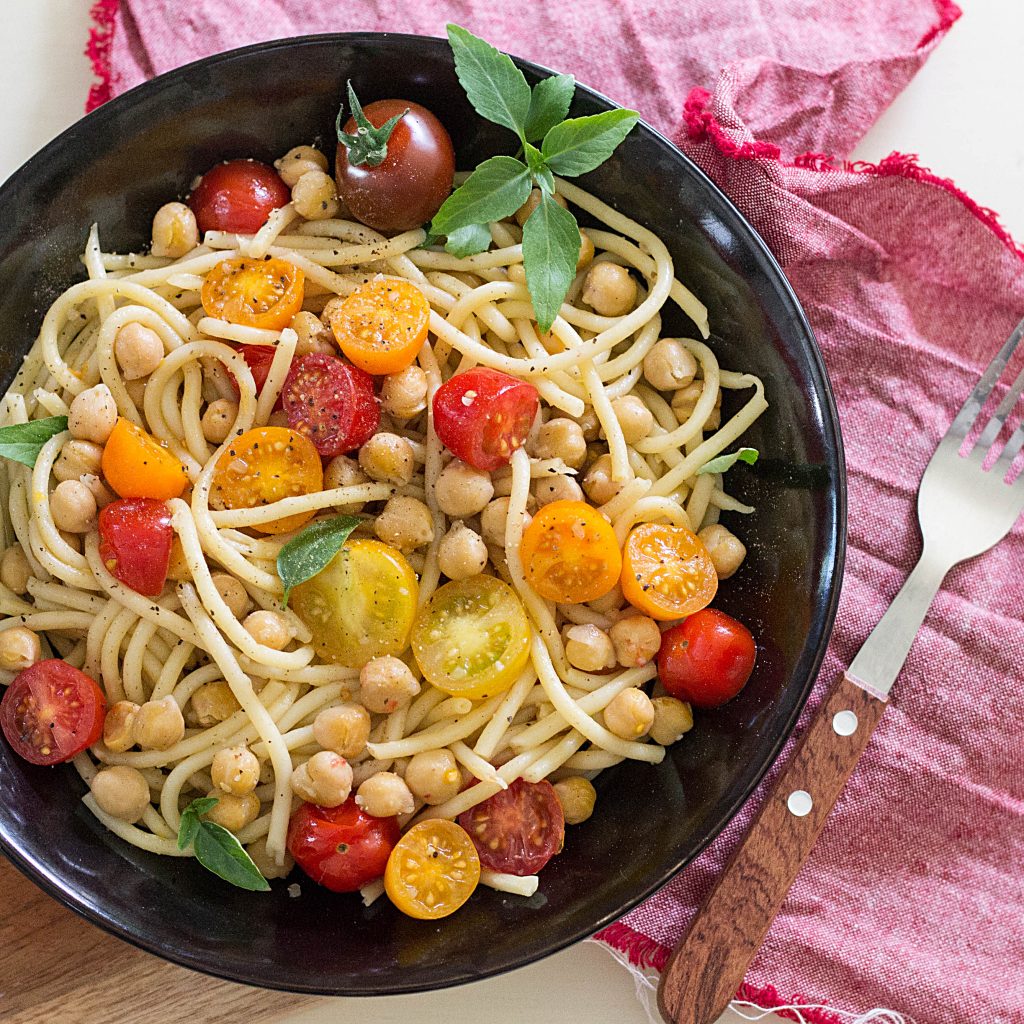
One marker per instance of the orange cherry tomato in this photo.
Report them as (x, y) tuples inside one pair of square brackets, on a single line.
[(570, 554), (667, 572), (254, 293), (264, 465), (382, 325), (137, 465)]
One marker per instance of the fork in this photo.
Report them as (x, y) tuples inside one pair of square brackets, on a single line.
[(963, 510)]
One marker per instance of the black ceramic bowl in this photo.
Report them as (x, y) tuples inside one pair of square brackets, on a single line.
[(116, 167)]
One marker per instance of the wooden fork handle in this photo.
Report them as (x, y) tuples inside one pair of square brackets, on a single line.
[(709, 962)]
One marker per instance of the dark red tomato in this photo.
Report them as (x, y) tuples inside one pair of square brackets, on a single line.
[(258, 358), (331, 403), (706, 659), (484, 415), (135, 543), (341, 848), (238, 195), (518, 830), (51, 712), (408, 187)]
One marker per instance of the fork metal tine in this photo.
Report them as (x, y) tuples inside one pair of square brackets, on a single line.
[(1009, 453), (995, 424)]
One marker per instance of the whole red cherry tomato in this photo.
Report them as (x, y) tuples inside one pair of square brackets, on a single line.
[(135, 543), (706, 659), (238, 195)]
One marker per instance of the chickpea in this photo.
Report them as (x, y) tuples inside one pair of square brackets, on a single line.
[(727, 551), (684, 403), (672, 717), (330, 310), (278, 418), (76, 459), (384, 795), (405, 523), (158, 724), (493, 520), (560, 438), (235, 770), (73, 507), (586, 250), (101, 493), (630, 714), (233, 594), (404, 394), (598, 482), (556, 487), (517, 272), (463, 491), (590, 425), (19, 648), (175, 231), (119, 726), (15, 570), (325, 779), (299, 161), (218, 419), (213, 703), (461, 553), (669, 365), (138, 350), (270, 629), (121, 791), (433, 776), (588, 648), (636, 639), (577, 797), (342, 471), (233, 812), (387, 684), (136, 392), (313, 336), (531, 204), (388, 458), (315, 196), (177, 564), (93, 414), (609, 289), (344, 729), (265, 864), (634, 417)]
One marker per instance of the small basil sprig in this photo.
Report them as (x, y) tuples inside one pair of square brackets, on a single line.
[(498, 91), (724, 462), (310, 551), (217, 849), (22, 442), (367, 145)]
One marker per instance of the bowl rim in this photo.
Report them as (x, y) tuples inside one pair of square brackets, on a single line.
[(52, 884)]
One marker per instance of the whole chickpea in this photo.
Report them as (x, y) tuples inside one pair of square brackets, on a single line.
[(727, 551), (233, 594), (235, 770), (560, 438), (175, 231), (121, 791), (586, 250), (531, 204), (119, 726), (233, 812), (93, 414), (684, 403), (138, 350), (213, 703), (158, 724), (461, 553), (19, 648), (15, 570), (136, 391), (270, 629), (590, 425), (636, 639), (315, 196), (630, 714), (313, 336), (517, 272), (577, 797), (265, 864), (672, 717), (100, 491), (344, 729), (588, 648), (76, 459), (177, 564), (609, 289), (385, 794), (598, 483), (299, 161), (493, 520), (325, 779), (388, 458), (73, 507), (405, 523), (404, 394), (343, 471), (634, 417), (556, 487), (669, 365), (387, 684), (463, 491), (218, 419), (433, 776)]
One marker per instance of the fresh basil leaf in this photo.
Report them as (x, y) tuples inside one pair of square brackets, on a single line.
[(468, 241), (551, 246), (724, 462), (549, 103), (190, 819), (220, 852), (22, 442), (496, 189), (541, 174), (494, 85), (583, 143), (310, 552)]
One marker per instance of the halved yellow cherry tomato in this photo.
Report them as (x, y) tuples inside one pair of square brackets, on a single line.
[(472, 638), (361, 606), (382, 325), (667, 572), (570, 554), (433, 870), (264, 465), (137, 465), (254, 293)]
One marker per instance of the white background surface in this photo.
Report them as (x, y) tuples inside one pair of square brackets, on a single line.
[(963, 115)]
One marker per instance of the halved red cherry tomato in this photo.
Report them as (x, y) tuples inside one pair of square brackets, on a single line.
[(238, 195), (408, 187), (666, 571), (518, 830), (331, 403), (258, 358), (51, 712), (707, 659), (341, 848), (484, 415), (254, 293), (135, 543)]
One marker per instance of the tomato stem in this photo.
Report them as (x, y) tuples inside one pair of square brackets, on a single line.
[(368, 144)]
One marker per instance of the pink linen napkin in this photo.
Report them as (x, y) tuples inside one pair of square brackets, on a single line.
[(914, 895)]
